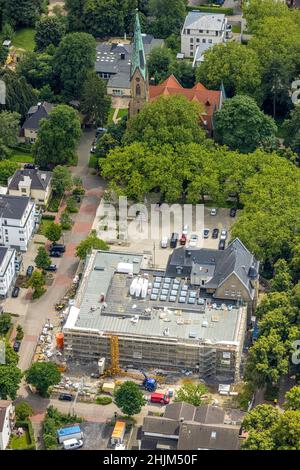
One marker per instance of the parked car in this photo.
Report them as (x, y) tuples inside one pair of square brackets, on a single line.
[(95, 375), (222, 245), (72, 444), (174, 240), (193, 240), (232, 212), (100, 131), (51, 267), (29, 166), (164, 242), (159, 398), (77, 198), (15, 292), (213, 211), (29, 271), (206, 233), (223, 235), (185, 230), (215, 233), (16, 346), (65, 397), (58, 247), (182, 240), (55, 254)]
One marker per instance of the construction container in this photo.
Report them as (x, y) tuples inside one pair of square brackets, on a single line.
[(118, 433), (72, 432), (60, 340), (108, 387), (101, 365)]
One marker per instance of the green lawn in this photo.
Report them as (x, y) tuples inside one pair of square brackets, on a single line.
[(19, 443), (236, 28), (44, 225), (24, 39), (122, 112), (21, 157), (110, 116)]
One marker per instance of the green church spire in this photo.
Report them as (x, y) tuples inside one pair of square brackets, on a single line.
[(138, 54)]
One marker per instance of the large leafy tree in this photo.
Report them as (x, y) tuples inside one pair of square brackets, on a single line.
[(75, 14), (57, 138), (5, 323), (191, 393), (61, 180), (292, 130), (7, 169), (42, 259), (3, 54), (168, 16), (241, 125), (42, 375), (233, 64), (129, 398), (159, 63), (10, 374), (95, 103), (22, 12), (9, 129), (292, 399), (37, 69), (282, 280), (20, 96), (53, 232), (74, 57), (256, 11), (49, 30), (167, 120), (91, 242)]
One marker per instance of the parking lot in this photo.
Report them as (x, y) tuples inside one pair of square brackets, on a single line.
[(95, 435)]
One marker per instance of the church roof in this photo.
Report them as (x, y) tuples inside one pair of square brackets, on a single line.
[(138, 60)]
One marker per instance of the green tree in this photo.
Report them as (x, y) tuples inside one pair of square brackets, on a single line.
[(75, 14), (20, 333), (23, 410), (256, 11), (7, 169), (106, 143), (3, 55), (42, 259), (37, 282), (20, 96), (65, 221), (241, 125), (53, 232), (95, 103), (75, 56), (191, 393), (167, 120), (282, 280), (23, 12), (129, 398), (61, 180), (234, 65), (43, 375), (292, 130), (8, 31), (49, 30), (9, 131), (5, 323), (57, 138), (159, 63), (10, 379), (37, 69), (92, 242), (184, 72), (292, 398), (168, 15)]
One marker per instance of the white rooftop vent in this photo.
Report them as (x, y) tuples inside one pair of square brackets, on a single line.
[(43, 177), (205, 323)]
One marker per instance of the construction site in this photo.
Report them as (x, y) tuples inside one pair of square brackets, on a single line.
[(130, 316)]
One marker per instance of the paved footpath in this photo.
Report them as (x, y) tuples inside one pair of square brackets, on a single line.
[(42, 309)]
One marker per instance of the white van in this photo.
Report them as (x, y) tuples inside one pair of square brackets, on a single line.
[(70, 444), (164, 242)]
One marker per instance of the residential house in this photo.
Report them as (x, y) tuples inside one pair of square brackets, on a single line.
[(32, 183), (200, 32), (113, 63), (7, 269), (210, 100), (7, 420), (230, 274), (187, 427), (31, 125), (17, 222)]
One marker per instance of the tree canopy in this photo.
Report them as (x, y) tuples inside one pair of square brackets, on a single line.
[(89, 243), (49, 30), (129, 398), (191, 393), (95, 103), (42, 375), (61, 180)]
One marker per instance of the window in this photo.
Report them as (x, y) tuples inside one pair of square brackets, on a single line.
[(192, 40), (22, 239), (23, 190), (233, 293), (6, 239), (210, 41), (21, 231), (200, 30), (191, 53), (203, 40), (5, 222), (188, 31), (197, 40), (138, 90)]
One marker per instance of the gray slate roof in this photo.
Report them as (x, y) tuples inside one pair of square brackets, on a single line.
[(3, 251), (234, 259), (193, 436), (13, 207), (205, 21), (36, 113), (39, 179), (165, 426)]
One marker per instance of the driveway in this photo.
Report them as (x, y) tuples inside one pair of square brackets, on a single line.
[(42, 309)]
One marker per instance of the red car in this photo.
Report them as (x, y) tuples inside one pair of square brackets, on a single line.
[(160, 398), (182, 240)]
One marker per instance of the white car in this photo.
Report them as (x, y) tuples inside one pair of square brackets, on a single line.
[(206, 233), (213, 211), (193, 240), (164, 242), (223, 235), (185, 230)]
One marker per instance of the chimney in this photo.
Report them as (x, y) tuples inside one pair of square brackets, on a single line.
[(122, 55), (39, 105), (182, 420)]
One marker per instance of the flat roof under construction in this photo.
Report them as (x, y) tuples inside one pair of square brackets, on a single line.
[(176, 316)]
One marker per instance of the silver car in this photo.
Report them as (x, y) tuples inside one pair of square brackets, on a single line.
[(223, 235)]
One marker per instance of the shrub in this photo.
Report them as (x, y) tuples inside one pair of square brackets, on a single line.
[(65, 221), (48, 217), (20, 333), (38, 293), (23, 410), (103, 400), (71, 205)]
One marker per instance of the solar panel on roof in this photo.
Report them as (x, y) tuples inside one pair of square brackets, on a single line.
[(183, 293), (153, 297), (157, 285), (193, 294), (165, 291), (172, 298), (201, 301), (176, 281), (163, 297), (182, 300), (191, 300), (174, 292), (184, 287), (168, 280), (157, 279), (166, 286), (155, 291), (175, 286)]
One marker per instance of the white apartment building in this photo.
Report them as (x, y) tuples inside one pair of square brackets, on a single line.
[(7, 419), (17, 221), (201, 31), (7, 269)]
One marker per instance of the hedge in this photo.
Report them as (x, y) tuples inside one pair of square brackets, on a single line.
[(208, 9), (48, 217), (27, 425), (103, 400)]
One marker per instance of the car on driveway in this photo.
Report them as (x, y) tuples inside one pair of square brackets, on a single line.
[(65, 397), (193, 240), (206, 233), (51, 267), (15, 292), (222, 245), (58, 247), (223, 235), (95, 375), (16, 346), (215, 233), (213, 211), (182, 240), (55, 254), (164, 242), (29, 271), (232, 212)]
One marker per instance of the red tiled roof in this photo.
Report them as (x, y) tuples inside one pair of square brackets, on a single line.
[(199, 93)]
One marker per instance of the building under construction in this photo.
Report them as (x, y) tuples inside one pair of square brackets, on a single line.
[(134, 316)]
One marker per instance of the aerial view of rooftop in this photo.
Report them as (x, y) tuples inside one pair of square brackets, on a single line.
[(149, 229)]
